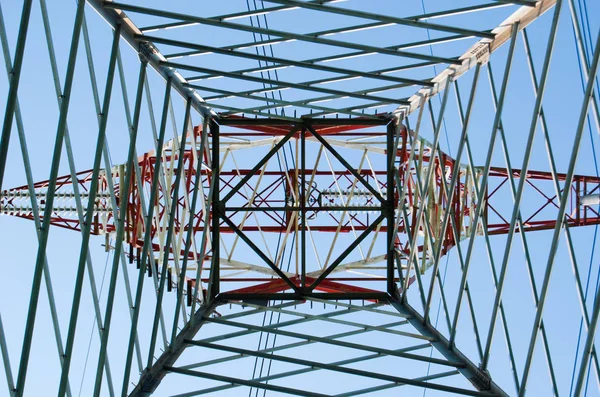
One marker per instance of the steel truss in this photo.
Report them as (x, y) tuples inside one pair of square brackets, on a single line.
[(310, 214)]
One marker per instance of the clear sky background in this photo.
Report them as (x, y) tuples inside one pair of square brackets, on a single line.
[(18, 243)]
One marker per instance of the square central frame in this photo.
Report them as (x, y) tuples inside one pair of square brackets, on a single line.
[(302, 286)]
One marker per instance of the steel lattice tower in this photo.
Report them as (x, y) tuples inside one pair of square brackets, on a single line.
[(314, 198)]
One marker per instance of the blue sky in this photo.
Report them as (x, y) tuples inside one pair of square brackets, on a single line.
[(39, 109)]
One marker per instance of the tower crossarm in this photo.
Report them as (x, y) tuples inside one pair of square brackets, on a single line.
[(541, 201)]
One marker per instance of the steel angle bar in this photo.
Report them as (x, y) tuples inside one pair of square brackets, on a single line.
[(488, 245), (164, 175), (234, 190), (152, 376), (271, 32), (304, 343), (292, 344), (379, 121), (528, 261), (15, 78), (424, 187), (303, 204), (516, 213), (391, 145), (348, 29), (276, 102), (486, 170), (452, 215), (6, 361), (336, 368), (72, 167), (215, 266), (225, 17), (125, 189), (319, 81), (282, 296), (89, 214), (314, 317), (297, 321), (346, 252), (457, 236), (154, 57), (414, 263), (559, 224), (255, 309), (279, 83), (341, 159), (254, 112), (41, 254), (175, 192), (324, 340), (584, 59), (312, 369), (71, 162), (478, 378), (282, 61), (480, 51), (471, 169), (454, 178), (34, 206), (329, 58), (189, 236), (146, 244), (267, 11), (137, 172), (261, 254), (457, 11), (238, 121), (589, 345), (544, 127), (528, 3), (423, 191), (392, 385), (249, 383), (179, 235), (384, 18)]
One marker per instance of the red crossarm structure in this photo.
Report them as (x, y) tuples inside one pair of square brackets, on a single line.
[(266, 202)]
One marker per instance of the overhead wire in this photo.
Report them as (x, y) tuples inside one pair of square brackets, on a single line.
[(264, 53), (266, 94), (443, 280), (587, 42), (87, 355)]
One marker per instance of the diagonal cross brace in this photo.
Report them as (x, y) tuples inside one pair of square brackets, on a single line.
[(258, 165)]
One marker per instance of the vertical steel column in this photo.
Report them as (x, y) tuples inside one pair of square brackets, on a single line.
[(11, 100), (122, 214), (87, 226), (41, 254), (217, 211), (147, 240), (388, 204), (303, 204)]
